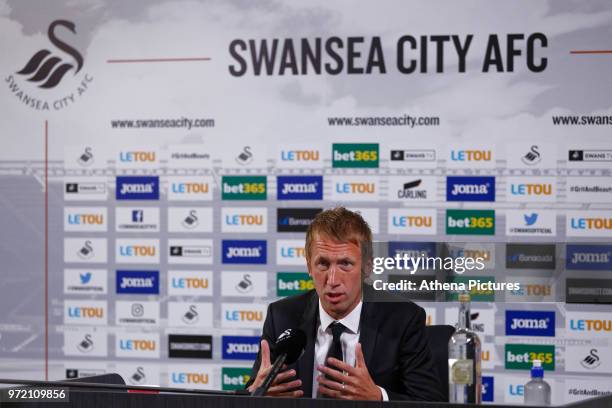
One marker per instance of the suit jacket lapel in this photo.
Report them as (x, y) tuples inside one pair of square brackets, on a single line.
[(368, 330), (305, 364)]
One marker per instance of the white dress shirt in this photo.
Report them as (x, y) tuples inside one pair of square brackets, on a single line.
[(348, 339)]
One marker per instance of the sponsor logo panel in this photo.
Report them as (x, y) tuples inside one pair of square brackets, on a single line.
[(430, 315), (190, 314), (191, 376), (482, 320), (470, 188), (86, 219), (190, 251), (86, 157), (412, 157), (190, 188), (471, 157), (243, 315), (189, 156), (521, 356), (588, 359), (293, 283), (488, 389), (244, 251), (137, 219), (412, 221), (531, 289), (473, 250), (531, 223), (137, 188), (240, 347), (85, 250), (189, 346), (530, 323), (531, 156), (137, 251), (244, 156), (136, 313), (355, 155), (85, 312), (244, 219), (139, 374), (412, 249), (421, 189), (190, 283), (234, 378), (244, 283), (531, 189), (578, 389), (588, 324), (488, 356), (85, 281), (355, 188), (137, 282), (190, 219), (477, 295), (299, 156), (589, 190), (589, 257), (89, 189), (299, 188), (137, 345), (588, 223), (85, 343), (291, 252), (295, 219), (530, 256), (137, 158), (244, 188), (582, 290), (470, 222)]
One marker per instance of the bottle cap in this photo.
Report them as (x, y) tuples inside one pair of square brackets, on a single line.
[(537, 371), (464, 297)]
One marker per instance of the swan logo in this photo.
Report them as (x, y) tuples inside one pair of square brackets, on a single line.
[(48, 68)]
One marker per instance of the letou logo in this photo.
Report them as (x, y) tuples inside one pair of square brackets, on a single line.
[(355, 155), (242, 315), (186, 376), (531, 289), (290, 252), (92, 219), (190, 188), (470, 222), (589, 257), (137, 251), (244, 251), (137, 345), (240, 347), (234, 378), (137, 158), (303, 157), (530, 323), (137, 188), (47, 70), (412, 222), (299, 188), (591, 324), (190, 283), (530, 189), (521, 356), (588, 223), (293, 283), (355, 188), (470, 188), (85, 312), (471, 157), (244, 188), (244, 219)]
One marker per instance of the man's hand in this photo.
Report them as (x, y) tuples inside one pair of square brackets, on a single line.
[(353, 383), (281, 386)]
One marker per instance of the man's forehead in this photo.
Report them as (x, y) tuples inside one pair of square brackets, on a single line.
[(329, 246)]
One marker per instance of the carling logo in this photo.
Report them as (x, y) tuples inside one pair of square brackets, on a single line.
[(470, 188), (299, 188), (138, 282), (530, 323), (589, 257), (137, 188), (244, 251), (240, 347), (412, 190)]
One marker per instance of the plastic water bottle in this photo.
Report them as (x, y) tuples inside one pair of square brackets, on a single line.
[(537, 391)]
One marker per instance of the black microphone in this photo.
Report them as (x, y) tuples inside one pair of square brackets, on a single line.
[(288, 348)]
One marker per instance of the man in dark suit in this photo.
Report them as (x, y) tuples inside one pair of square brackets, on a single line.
[(356, 348)]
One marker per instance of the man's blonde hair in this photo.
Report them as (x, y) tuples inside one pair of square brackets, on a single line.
[(344, 226)]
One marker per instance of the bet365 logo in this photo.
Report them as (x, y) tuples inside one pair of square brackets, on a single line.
[(355, 155), (292, 283), (521, 356), (470, 222), (243, 188)]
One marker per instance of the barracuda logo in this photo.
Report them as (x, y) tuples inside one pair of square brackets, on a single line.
[(470, 188), (530, 323), (243, 251), (300, 187), (137, 188)]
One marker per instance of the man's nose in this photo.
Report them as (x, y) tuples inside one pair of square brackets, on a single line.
[(332, 279)]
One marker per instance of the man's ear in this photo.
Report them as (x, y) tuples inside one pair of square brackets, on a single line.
[(367, 268)]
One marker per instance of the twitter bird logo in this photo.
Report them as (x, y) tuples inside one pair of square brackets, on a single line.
[(530, 219), (85, 277)]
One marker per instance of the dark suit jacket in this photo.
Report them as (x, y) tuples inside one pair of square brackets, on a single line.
[(392, 336)]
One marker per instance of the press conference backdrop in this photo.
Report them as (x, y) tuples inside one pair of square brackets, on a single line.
[(190, 143)]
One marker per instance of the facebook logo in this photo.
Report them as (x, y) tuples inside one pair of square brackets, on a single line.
[(137, 215)]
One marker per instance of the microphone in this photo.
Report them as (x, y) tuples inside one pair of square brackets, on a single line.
[(289, 347)]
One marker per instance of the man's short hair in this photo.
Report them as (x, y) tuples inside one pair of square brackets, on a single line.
[(344, 226)]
